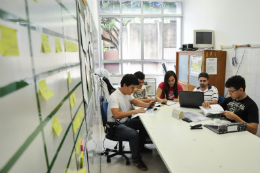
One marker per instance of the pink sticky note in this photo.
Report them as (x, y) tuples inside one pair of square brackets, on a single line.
[(82, 145)]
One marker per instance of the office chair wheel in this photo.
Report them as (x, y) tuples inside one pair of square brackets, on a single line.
[(127, 162), (108, 160)]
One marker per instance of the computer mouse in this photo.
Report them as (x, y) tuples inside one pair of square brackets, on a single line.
[(155, 109)]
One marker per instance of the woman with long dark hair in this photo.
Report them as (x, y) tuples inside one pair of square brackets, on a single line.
[(169, 89)]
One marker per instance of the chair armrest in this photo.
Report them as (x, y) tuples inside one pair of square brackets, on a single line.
[(110, 128)]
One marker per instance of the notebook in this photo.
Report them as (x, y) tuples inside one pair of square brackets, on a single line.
[(191, 99)]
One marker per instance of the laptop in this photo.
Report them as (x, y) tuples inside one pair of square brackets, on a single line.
[(191, 99)]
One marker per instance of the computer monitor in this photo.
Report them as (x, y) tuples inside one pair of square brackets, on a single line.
[(203, 39)]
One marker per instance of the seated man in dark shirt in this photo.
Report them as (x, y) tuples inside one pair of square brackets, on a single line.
[(239, 106)]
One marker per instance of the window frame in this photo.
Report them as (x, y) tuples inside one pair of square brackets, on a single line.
[(142, 16)]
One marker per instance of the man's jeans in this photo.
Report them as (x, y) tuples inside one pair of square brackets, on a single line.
[(136, 140)]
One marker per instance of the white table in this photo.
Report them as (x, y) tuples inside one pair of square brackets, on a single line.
[(201, 151)]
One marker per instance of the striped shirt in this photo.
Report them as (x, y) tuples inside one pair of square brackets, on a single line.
[(210, 94)]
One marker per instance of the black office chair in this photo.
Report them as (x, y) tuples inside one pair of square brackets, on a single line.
[(109, 130)]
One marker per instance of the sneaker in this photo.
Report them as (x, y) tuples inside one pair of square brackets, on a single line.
[(140, 165)]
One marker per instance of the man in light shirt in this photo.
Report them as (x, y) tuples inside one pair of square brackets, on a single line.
[(210, 92), (118, 111)]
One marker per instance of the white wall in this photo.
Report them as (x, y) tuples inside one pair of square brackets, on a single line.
[(234, 22)]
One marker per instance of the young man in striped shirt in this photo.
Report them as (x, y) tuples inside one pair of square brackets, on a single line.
[(210, 92)]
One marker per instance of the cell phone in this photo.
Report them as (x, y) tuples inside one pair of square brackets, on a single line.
[(150, 107)]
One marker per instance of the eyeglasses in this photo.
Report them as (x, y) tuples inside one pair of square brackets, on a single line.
[(231, 91), (171, 80), (202, 80)]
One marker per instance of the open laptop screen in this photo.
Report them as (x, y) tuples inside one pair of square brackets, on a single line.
[(191, 99)]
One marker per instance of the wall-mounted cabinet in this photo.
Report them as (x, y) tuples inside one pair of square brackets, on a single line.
[(190, 63)]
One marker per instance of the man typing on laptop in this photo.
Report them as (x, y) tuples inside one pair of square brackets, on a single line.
[(210, 92)]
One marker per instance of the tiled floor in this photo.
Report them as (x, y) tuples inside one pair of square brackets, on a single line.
[(117, 165)]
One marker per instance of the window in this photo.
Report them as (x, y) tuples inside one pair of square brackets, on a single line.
[(171, 35), (133, 7), (110, 35), (139, 35), (131, 38), (152, 7), (112, 6), (152, 38)]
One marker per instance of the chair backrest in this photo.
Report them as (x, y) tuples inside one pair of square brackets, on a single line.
[(220, 99), (104, 105), (110, 88)]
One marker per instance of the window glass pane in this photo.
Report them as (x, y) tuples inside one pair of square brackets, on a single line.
[(111, 29), (131, 38), (131, 67), (112, 6), (96, 65), (152, 38), (171, 66), (153, 68), (172, 8), (171, 35), (131, 7), (152, 7), (112, 68)]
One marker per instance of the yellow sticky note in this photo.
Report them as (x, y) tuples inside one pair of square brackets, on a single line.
[(78, 145), (83, 170), (80, 113), (44, 90), (74, 98), (69, 78), (45, 44), (1, 47), (8, 41), (71, 101), (76, 124), (69, 171), (56, 126), (75, 127), (81, 159), (58, 47), (66, 46)]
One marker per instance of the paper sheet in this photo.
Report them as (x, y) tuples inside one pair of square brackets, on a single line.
[(196, 64), (211, 65), (56, 126), (169, 102), (44, 90), (8, 41), (83, 35), (149, 112), (194, 117)]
